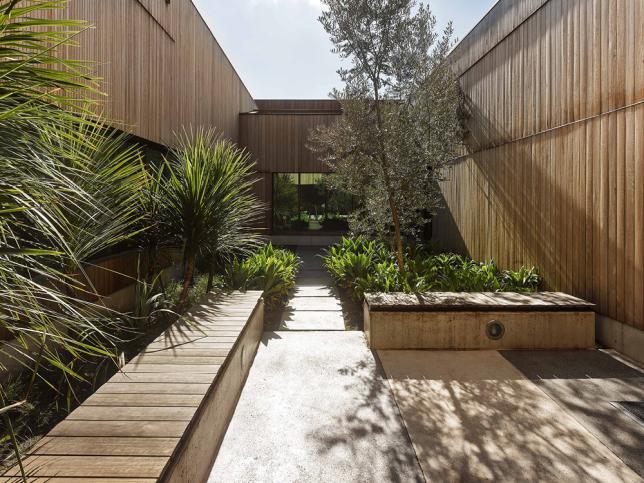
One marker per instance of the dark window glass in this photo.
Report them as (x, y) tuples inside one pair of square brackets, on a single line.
[(285, 200), (302, 202)]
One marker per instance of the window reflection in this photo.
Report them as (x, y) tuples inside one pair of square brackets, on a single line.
[(302, 202)]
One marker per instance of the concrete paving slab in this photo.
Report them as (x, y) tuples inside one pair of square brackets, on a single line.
[(314, 281), (588, 384), (473, 416), (316, 408), (314, 303), (320, 290), (309, 320)]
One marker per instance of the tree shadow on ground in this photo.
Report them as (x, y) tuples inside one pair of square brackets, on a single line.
[(376, 421), (474, 419)]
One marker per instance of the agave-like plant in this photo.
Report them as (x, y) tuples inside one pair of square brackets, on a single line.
[(210, 199)]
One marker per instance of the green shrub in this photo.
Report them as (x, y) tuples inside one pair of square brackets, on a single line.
[(269, 269), (363, 265), (173, 291), (353, 259), (523, 280)]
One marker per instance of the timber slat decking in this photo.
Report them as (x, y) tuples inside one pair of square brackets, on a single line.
[(135, 426), (144, 400), (153, 388), (100, 446), (125, 413)]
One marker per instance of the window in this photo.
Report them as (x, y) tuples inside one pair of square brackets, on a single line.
[(302, 202)]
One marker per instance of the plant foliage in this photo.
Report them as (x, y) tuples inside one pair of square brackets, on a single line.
[(68, 185), (269, 269), (211, 205), (400, 123), (361, 265)]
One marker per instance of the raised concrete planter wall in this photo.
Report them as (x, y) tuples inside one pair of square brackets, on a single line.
[(621, 337), (194, 459), (465, 321)]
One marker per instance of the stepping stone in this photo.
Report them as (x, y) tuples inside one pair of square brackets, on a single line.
[(314, 303), (320, 275), (314, 291), (313, 320)]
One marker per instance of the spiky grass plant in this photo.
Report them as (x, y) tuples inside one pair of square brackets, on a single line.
[(210, 200), (67, 186)]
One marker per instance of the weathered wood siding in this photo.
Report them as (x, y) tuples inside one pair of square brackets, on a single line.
[(309, 105), (161, 66), (555, 174)]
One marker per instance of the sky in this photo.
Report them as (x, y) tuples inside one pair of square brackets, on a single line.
[(281, 51)]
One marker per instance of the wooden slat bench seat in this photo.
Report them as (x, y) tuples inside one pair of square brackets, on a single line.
[(163, 417), (460, 320)]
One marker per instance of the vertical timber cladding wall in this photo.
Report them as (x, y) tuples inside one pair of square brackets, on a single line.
[(277, 135), (555, 174), (162, 69)]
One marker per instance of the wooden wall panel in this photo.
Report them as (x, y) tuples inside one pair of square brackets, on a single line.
[(555, 164), (570, 60), (162, 68), (277, 138), (278, 142), (502, 20)]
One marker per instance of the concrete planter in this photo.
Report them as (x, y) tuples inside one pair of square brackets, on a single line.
[(444, 320)]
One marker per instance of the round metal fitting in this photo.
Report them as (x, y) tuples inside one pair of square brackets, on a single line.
[(494, 330)]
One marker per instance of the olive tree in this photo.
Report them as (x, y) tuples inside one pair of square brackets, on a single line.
[(400, 123)]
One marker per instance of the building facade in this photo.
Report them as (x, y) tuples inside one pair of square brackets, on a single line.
[(290, 175), (163, 71)]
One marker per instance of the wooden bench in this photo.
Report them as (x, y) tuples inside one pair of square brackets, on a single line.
[(163, 417), (499, 320)]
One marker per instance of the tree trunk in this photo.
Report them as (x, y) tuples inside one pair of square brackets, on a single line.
[(385, 168), (187, 279), (211, 277), (397, 235)]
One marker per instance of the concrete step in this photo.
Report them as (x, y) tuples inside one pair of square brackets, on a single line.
[(312, 320)]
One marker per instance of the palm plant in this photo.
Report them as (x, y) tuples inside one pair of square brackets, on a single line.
[(107, 167), (37, 193), (209, 194), (66, 187), (156, 230)]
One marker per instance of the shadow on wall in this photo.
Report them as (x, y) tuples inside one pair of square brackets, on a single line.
[(563, 200), (446, 232)]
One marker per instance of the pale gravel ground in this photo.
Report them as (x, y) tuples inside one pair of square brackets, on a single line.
[(316, 408)]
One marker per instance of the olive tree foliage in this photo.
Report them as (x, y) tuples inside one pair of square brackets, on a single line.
[(400, 124)]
